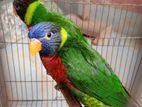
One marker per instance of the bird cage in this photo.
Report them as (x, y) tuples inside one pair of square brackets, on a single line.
[(113, 28)]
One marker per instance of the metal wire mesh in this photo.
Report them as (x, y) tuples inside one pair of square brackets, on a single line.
[(115, 24)]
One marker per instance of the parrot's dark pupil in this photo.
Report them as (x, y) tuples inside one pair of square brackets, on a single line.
[(49, 35)]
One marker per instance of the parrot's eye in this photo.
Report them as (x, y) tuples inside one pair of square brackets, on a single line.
[(49, 35)]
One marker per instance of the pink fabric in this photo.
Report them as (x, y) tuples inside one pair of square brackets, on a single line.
[(131, 8), (118, 1), (127, 1)]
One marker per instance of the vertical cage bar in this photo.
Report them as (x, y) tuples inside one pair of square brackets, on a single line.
[(7, 62), (123, 43), (132, 54), (135, 74), (127, 51)]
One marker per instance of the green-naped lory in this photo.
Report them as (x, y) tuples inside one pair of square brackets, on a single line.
[(77, 66)]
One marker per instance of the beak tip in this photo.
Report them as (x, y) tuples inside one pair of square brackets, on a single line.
[(35, 46), (33, 54)]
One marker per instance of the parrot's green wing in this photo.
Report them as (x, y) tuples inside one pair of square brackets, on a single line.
[(90, 73)]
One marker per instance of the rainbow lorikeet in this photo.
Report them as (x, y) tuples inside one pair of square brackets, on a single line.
[(74, 64)]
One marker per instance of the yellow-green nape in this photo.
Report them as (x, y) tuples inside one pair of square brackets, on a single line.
[(64, 37), (30, 11)]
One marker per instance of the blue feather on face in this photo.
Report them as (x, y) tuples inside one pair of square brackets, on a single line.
[(49, 35)]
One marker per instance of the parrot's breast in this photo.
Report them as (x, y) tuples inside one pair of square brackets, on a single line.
[(55, 67)]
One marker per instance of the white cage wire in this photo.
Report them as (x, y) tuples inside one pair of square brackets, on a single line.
[(115, 29)]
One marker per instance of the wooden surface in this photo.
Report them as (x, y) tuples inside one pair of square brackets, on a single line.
[(71, 100)]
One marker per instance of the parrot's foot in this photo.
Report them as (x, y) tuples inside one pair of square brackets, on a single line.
[(58, 86)]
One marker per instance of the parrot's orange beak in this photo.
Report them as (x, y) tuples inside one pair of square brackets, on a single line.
[(35, 46)]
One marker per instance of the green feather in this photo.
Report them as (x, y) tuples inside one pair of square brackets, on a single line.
[(41, 14), (91, 74), (87, 100), (87, 70)]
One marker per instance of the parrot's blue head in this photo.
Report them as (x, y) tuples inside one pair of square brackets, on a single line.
[(46, 37)]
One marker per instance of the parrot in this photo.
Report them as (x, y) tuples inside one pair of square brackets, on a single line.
[(32, 12), (74, 64), (91, 79)]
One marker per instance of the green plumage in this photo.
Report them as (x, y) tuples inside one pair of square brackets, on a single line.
[(91, 74), (42, 14), (87, 100), (87, 70)]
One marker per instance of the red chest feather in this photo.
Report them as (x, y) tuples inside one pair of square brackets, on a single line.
[(55, 68)]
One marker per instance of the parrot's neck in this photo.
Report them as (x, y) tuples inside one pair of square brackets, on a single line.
[(55, 67)]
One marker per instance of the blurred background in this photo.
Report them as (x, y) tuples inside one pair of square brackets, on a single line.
[(115, 31)]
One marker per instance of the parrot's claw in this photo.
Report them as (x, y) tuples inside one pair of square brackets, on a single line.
[(58, 86)]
